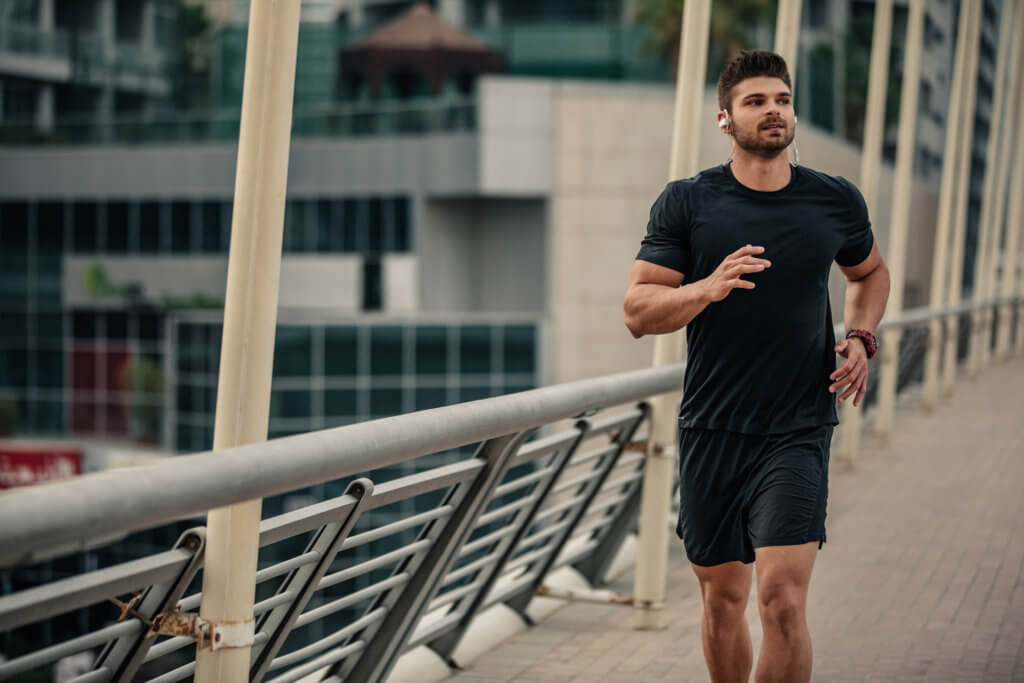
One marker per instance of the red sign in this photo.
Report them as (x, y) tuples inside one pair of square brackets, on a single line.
[(25, 466)]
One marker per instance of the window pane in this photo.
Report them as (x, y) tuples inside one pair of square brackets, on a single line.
[(292, 351), (340, 402), (50, 227), (149, 327), (181, 227), (15, 325), (373, 289), (341, 347), (49, 369), (401, 237), (475, 349), (295, 226), (117, 227), (84, 325), (385, 402), (376, 226), (212, 228), (117, 326), (14, 367), (520, 349), (467, 393), (431, 350), (290, 403), (14, 226), (85, 227), (50, 326), (386, 350), (431, 398), (352, 225), (324, 225), (149, 228)]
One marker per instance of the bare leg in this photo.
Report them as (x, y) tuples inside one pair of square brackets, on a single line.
[(783, 578), (725, 589)]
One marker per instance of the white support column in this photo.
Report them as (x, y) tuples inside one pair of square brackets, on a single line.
[(250, 318), (787, 35), (940, 256), (1007, 285), (901, 214), (46, 15), (454, 11), (659, 469), (1011, 281), (997, 157), (956, 264), (870, 167)]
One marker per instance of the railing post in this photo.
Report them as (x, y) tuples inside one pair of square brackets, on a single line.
[(250, 318), (124, 656), (446, 644), (404, 607), (956, 265), (870, 164), (940, 256), (594, 566), (901, 214), (652, 546), (278, 622)]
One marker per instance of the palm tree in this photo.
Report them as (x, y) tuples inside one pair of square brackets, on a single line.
[(733, 24)]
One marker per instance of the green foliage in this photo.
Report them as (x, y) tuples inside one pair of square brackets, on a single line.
[(143, 379), (192, 69), (733, 23), (8, 414)]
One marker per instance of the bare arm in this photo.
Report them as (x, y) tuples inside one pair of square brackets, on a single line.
[(656, 304), (867, 291)]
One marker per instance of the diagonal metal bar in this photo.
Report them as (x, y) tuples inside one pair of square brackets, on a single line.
[(594, 566), (406, 606), (279, 622), (124, 656), (520, 599), (445, 644)]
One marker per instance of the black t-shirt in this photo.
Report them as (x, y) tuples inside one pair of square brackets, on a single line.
[(759, 360)]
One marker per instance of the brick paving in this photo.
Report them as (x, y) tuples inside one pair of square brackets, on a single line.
[(921, 579)]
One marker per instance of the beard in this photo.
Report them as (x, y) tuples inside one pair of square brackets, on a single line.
[(755, 141)]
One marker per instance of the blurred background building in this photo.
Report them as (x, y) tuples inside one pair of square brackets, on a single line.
[(468, 185)]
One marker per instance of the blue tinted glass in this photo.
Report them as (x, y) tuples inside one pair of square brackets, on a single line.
[(340, 402), (293, 351), (181, 227), (149, 228), (290, 403), (431, 398), (50, 227), (520, 349), (431, 350), (386, 350), (341, 347), (117, 227), (385, 402), (475, 349), (212, 227), (85, 240), (49, 368)]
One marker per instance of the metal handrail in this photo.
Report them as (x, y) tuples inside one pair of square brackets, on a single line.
[(39, 525)]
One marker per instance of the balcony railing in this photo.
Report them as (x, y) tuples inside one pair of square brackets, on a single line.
[(418, 117)]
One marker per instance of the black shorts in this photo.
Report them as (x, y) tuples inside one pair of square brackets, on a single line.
[(739, 492)]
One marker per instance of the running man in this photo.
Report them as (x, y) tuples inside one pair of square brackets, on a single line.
[(740, 255)]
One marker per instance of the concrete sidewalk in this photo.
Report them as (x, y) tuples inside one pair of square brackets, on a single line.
[(921, 579)]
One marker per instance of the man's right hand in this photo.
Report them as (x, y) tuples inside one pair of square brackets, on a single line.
[(728, 274)]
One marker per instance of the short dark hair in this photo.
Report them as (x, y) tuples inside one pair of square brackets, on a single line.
[(749, 64)]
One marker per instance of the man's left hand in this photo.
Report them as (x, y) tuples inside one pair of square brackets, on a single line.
[(854, 372)]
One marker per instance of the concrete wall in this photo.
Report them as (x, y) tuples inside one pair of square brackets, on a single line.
[(437, 165), (611, 156), (483, 255), (332, 282), (515, 125)]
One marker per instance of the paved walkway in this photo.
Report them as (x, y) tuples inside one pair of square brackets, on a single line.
[(921, 579)]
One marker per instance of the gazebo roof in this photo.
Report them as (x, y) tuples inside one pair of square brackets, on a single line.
[(420, 28)]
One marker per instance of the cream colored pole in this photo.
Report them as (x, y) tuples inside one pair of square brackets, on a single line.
[(902, 192), (659, 469), (250, 316), (996, 158), (947, 191), (787, 34), (956, 264), (870, 166), (1014, 219), (1012, 283)]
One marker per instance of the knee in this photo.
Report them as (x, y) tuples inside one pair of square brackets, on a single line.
[(782, 610), (723, 609)]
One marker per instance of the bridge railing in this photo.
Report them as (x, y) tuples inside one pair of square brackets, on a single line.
[(422, 537)]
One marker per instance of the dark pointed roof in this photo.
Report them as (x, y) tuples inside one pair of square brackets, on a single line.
[(419, 40)]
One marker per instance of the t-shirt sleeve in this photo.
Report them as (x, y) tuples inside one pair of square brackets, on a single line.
[(857, 235), (667, 242)]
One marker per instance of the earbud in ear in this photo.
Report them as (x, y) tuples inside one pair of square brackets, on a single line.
[(723, 122), (795, 120)]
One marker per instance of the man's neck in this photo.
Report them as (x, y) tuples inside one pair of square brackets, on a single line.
[(759, 173)]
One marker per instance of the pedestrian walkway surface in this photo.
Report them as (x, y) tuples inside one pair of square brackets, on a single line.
[(921, 579)]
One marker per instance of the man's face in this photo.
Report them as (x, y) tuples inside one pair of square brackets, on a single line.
[(762, 118)]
